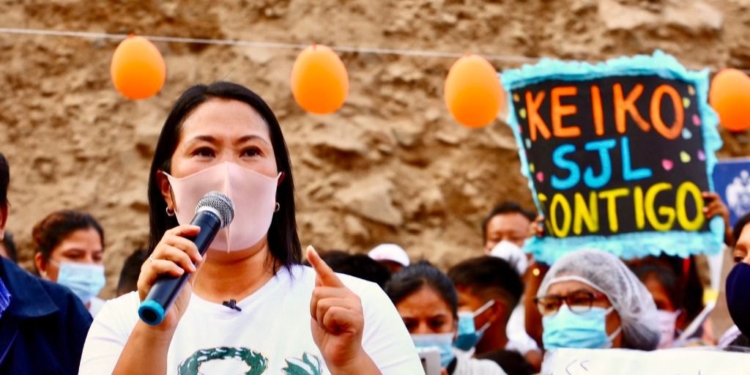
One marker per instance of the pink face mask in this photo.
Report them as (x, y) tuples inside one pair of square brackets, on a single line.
[(253, 194)]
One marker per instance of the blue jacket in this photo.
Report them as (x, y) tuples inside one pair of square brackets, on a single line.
[(44, 328)]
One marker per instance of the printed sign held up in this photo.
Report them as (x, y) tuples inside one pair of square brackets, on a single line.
[(617, 155), (732, 182)]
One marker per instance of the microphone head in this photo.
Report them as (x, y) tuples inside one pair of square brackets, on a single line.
[(218, 203)]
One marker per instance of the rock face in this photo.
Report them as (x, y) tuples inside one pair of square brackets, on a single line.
[(391, 166)]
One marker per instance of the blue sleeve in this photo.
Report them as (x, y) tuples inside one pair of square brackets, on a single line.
[(75, 321), (79, 321)]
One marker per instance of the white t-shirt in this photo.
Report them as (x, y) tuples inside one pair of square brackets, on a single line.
[(272, 331), (518, 339), (466, 365), (96, 306)]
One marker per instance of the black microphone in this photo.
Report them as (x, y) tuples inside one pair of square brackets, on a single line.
[(214, 212), (232, 304)]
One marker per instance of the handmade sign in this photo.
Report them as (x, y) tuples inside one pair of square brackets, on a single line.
[(732, 182), (617, 155), (661, 362)]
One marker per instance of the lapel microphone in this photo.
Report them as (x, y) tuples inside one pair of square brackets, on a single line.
[(232, 304)]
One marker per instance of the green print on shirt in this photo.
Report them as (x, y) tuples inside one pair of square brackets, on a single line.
[(308, 365), (256, 361)]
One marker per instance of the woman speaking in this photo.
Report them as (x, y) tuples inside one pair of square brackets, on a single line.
[(283, 318)]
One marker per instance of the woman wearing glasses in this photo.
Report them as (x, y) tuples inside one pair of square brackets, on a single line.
[(589, 299)]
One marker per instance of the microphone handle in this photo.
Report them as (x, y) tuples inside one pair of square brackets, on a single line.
[(166, 288)]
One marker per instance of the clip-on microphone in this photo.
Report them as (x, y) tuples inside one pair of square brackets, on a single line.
[(232, 304)]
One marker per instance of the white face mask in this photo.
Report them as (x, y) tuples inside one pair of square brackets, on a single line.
[(667, 322), (253, 195), (512, 254)]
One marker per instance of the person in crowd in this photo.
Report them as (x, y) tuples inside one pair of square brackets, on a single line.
[(390, 255), (664, 285), (509, 222), (686, 269), (511, 253), (516, 330), (713, 207), (42, 324), (68, 249), (331, 257), (504, 231), (428, 304), (8, 248), (737, 291), (489, 289), (677, 288), (590, 299), (358, 265), (130, 272), (532, 319), (281, 316)]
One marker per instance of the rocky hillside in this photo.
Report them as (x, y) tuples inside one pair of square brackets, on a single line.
[(390, 166)]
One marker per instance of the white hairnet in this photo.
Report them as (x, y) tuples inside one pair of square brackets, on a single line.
[(629, 297)]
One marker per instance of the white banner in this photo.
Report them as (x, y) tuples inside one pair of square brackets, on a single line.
[(692, 361)]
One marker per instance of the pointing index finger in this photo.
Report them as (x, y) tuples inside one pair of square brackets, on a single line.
[(326, 276)]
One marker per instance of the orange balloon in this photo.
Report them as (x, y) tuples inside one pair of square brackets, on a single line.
[(138, 70), (473, 92), (319, 80), (730, 98)]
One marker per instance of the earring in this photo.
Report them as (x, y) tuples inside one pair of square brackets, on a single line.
[(278, 207), (169, 213)]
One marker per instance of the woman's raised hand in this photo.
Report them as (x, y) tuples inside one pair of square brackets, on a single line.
[(337, 321)]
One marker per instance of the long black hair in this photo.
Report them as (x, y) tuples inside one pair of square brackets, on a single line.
[(417, 276), (283, 241), (4, 180)]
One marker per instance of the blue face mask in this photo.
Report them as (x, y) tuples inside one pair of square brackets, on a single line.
[(586, 330), (442, 342), (468, 336), (85, 280)]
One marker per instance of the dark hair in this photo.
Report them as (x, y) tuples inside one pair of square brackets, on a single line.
[(423, 274), (53, 229), (508, 207), (739, 226), (739, 343), (10, 247), (131, 270), (489, 274), (666, 276), (511, 361), (360, 266), (4, 180), (332, 256), (283, 241), (691, 288)]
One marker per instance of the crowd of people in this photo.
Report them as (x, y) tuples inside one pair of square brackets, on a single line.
[(496, 312)]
